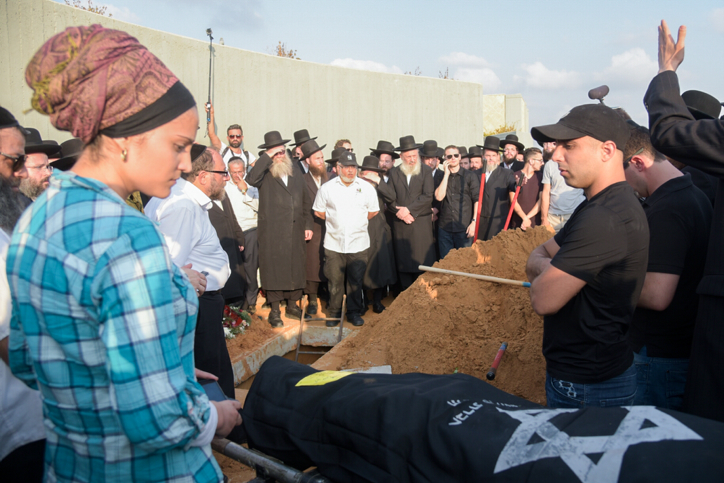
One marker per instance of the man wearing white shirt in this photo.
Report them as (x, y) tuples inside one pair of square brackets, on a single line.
[(184, 221), (346, 204), (245, 201), (235, 138)]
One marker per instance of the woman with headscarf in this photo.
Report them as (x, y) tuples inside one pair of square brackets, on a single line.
[(103, 322)]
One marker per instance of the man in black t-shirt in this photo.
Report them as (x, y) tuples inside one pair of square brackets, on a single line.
[(587, 279), (679, 216)]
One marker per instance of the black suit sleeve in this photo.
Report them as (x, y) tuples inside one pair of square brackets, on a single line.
[(676, 133), (386, 191), (423, 204), (255, 176)]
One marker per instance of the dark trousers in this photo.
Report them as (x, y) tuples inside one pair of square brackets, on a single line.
[(279, 295), (407, 279), (448, 240), (25, 463), (251, 265), (210, 352), (336, 266)]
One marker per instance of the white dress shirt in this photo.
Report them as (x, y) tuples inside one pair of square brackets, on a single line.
[(21, 409), (246, 205), (346, 209), (183, 219)]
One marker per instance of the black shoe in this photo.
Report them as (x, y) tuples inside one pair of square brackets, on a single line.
[(293, 312), (251, 309), (312, 308), (378, 308), (333, 323), (364, 310), (356, 320), (275, 319)]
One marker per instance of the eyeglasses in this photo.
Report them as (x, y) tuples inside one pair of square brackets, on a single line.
[(234, 136), (627, 161), (45, 166), (450, 156), (18, 161), (225, 174)]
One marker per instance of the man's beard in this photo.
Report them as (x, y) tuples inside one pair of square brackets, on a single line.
[(318, 172), (507, 160), (410, 170), (547, 156), (10, 205), (281, 168), (218, 193), (32, 190), (236, 143), (348, 180)]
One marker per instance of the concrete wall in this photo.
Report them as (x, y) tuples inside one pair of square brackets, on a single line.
[(508, 109), (259, 91)]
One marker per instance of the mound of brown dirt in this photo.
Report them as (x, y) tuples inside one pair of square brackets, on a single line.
[(448, 322)]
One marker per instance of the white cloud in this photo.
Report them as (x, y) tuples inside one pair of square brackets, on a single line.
[(538, 76), (631, 68), (366, 65), (489, 79), (461, 59), (123, 14), (717, 19), (471, 68)]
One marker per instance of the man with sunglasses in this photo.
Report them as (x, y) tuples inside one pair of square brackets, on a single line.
[(458, 197), (12, 150), (235, 138), (183, 218)]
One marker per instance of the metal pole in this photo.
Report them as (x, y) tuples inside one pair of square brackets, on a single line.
[(211, 51)]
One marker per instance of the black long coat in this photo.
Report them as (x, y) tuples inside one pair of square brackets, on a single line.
[(315, 246), (414, 244), (496, 201), (675, 133), (284, 214), (381, 269), (231, 236)]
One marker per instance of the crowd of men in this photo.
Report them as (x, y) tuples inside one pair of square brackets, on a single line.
[(630, 285)]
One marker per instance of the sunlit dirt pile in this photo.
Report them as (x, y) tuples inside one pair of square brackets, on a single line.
[(448, 322)]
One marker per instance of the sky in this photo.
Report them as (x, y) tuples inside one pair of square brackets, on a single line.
[(551, 52)]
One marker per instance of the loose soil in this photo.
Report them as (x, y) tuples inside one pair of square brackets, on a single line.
[(444, 323), (258, 332)]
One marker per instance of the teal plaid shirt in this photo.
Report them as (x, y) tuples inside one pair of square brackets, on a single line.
[(103, 325)]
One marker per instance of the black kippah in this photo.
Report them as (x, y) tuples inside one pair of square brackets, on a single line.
[(168, 107), (196, 151)]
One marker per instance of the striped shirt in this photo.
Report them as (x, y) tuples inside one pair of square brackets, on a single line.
[(103, 325)]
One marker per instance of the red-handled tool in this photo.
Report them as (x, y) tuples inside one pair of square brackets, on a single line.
[(480, 202), (491, 373), (515, 200)]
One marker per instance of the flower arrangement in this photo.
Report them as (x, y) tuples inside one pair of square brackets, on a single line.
[(235, 321)]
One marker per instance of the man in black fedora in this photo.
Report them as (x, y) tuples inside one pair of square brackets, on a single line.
[(385, 152), (464, 158), (312, 155), (474, 158), (300, 137), (412, 232), (37, 152), (381, 272), (677, 133), (511, 149), (285, 223), (498, 191)]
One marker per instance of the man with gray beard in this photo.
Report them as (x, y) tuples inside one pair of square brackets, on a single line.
[(285, 223), (412, 232)]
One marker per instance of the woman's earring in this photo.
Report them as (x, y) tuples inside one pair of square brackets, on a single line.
[(124, 153)]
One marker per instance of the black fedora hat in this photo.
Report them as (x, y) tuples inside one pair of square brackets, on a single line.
[(385, 147), (512, 139), (336, 152), (35, 144), (429, 149), (702, 105), (310, 147), (371, 163), (273, 139), (440, 152), (491, 142), (463, 151), (474, 152), (407, 143), (70, 151), (301, 137)]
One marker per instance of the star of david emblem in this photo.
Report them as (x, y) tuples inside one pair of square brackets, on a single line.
[(642, 424)]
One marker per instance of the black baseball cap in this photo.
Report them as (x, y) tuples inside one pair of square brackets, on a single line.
[(347, 159), (595, 120)]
